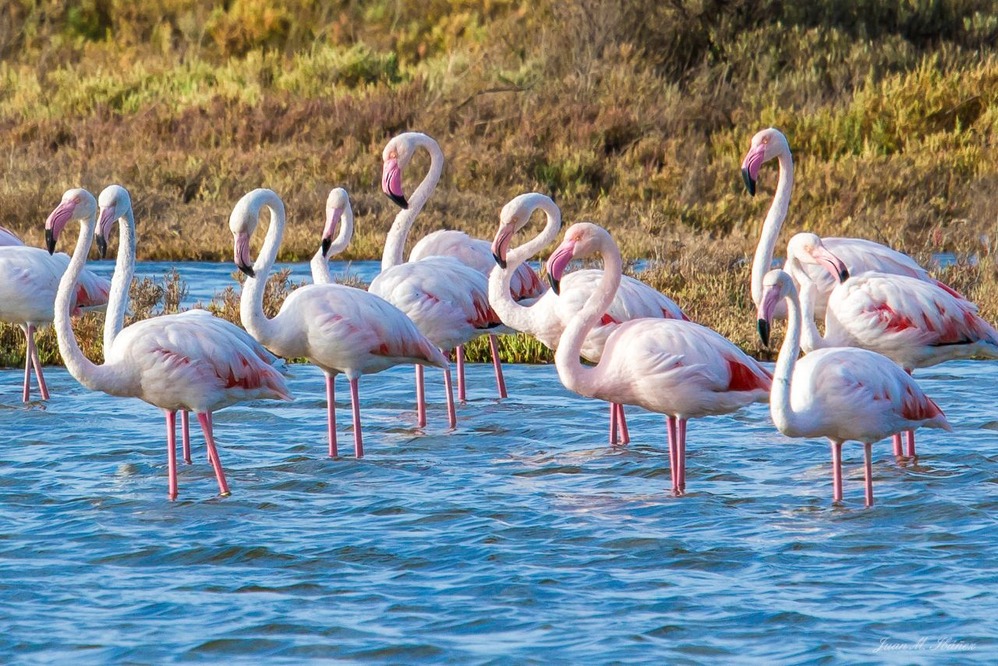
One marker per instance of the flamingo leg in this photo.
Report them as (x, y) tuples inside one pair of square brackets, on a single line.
[(185, 434), (681, 454), (171, 453), (670, 424), (358, 440), (420, 398), (36, 362), (868, 472), (209, 439), (613, 424), (26, 393), (497, 364), (331, 415), (625, 436), (462, 394), (910, 443), (448, 386), (836, 472), (897, 444)]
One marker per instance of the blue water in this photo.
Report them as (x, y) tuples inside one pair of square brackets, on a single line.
[(519, 537)]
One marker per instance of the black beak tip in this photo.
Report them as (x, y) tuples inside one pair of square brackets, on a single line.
[(499, 260), (749, 182), (326, 244), (49, 241), (763, 327), (844, 275), (102, 246), (555, 284), (248, 270), (400, 200)]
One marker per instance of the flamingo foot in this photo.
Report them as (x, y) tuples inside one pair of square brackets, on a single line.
[(497, 364)]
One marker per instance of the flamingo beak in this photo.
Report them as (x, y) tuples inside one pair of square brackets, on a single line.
[(751, 165), (763, 327), (55, 222), (103, 230), (831, 263), (391, 183), (500, 244), (557, 263), (49, 241), (101, 245), (332, 222), (242, 254), (749, 182)]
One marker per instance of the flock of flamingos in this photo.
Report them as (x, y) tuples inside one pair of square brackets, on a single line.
[(884, 316)]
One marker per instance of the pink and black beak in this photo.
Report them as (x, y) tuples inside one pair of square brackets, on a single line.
[(56, 221), (557, 263), (500, 244), (104, 223), (831, 263), (751, 165), (242, 254), (391, 182), (332, 223), (766, 308)]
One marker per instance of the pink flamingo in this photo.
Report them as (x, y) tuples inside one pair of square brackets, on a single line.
[(914, 323), (858, 254), (547, 317), (337, 328), (115, 204), (840, 393), (446, 299), (471, 252), (29, 277), (670, 366), (332, 243), (175, 362)]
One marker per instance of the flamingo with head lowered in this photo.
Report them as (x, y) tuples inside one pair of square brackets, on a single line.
[(859, 255), (29, 278), (913, 322), (472, 252), (547, 317), (841, 393), (340, 329), (670, 366), (335, 236), (175, 362)]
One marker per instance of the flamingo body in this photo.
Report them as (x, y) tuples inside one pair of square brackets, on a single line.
[(8, 238)]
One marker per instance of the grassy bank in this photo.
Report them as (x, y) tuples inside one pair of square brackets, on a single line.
[(631, 113)]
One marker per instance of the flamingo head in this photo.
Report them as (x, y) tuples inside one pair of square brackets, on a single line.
[(514, 216), (395, 158), (76, 204), (243, 220), (583, 239), (113, 203), (337, 203), (766, 145), (776, 285), (807, 248)]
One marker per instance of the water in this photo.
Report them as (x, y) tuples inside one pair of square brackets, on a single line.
[(520, 537)]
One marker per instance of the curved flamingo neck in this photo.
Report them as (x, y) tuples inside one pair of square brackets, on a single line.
[(124, 270), (251, 302), (395, 241), (95, 377), (573, 374), (763, 259), (781, 410), (511, 313), (319, 263), (808, 293)]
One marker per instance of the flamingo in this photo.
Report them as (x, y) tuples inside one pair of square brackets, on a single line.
[(183, 362), (858, 254), (841, 393), (547, 317), (914, 323), (115, 202), (337, 208), (336, 327), (670, 366), (29, 277), (446, 299), (472, 252)]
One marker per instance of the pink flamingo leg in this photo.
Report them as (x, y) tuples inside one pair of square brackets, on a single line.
[(625, 436), (171, 453), (868, 472), (36, 362), (459, 356), (420, 398), (897, 445), (836, 472), (613, 424), (185, 434), (451, 411), (331, 415), (497, 364), (670, 424), (209, 440), (26, 393), (910, 443), (358, 440), (681, 454)]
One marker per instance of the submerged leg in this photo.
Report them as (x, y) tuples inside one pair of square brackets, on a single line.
[(331, 415), (36, 362), (613, 424), (358, 440), (910, 443), (420, 398), (625, 436), (209, 440), (185, 434), (897, 445), (171, 454), (497, 364), (836, 471), (681, 454), (868, 472), (462, 393), (448, 386), (671, 429)]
